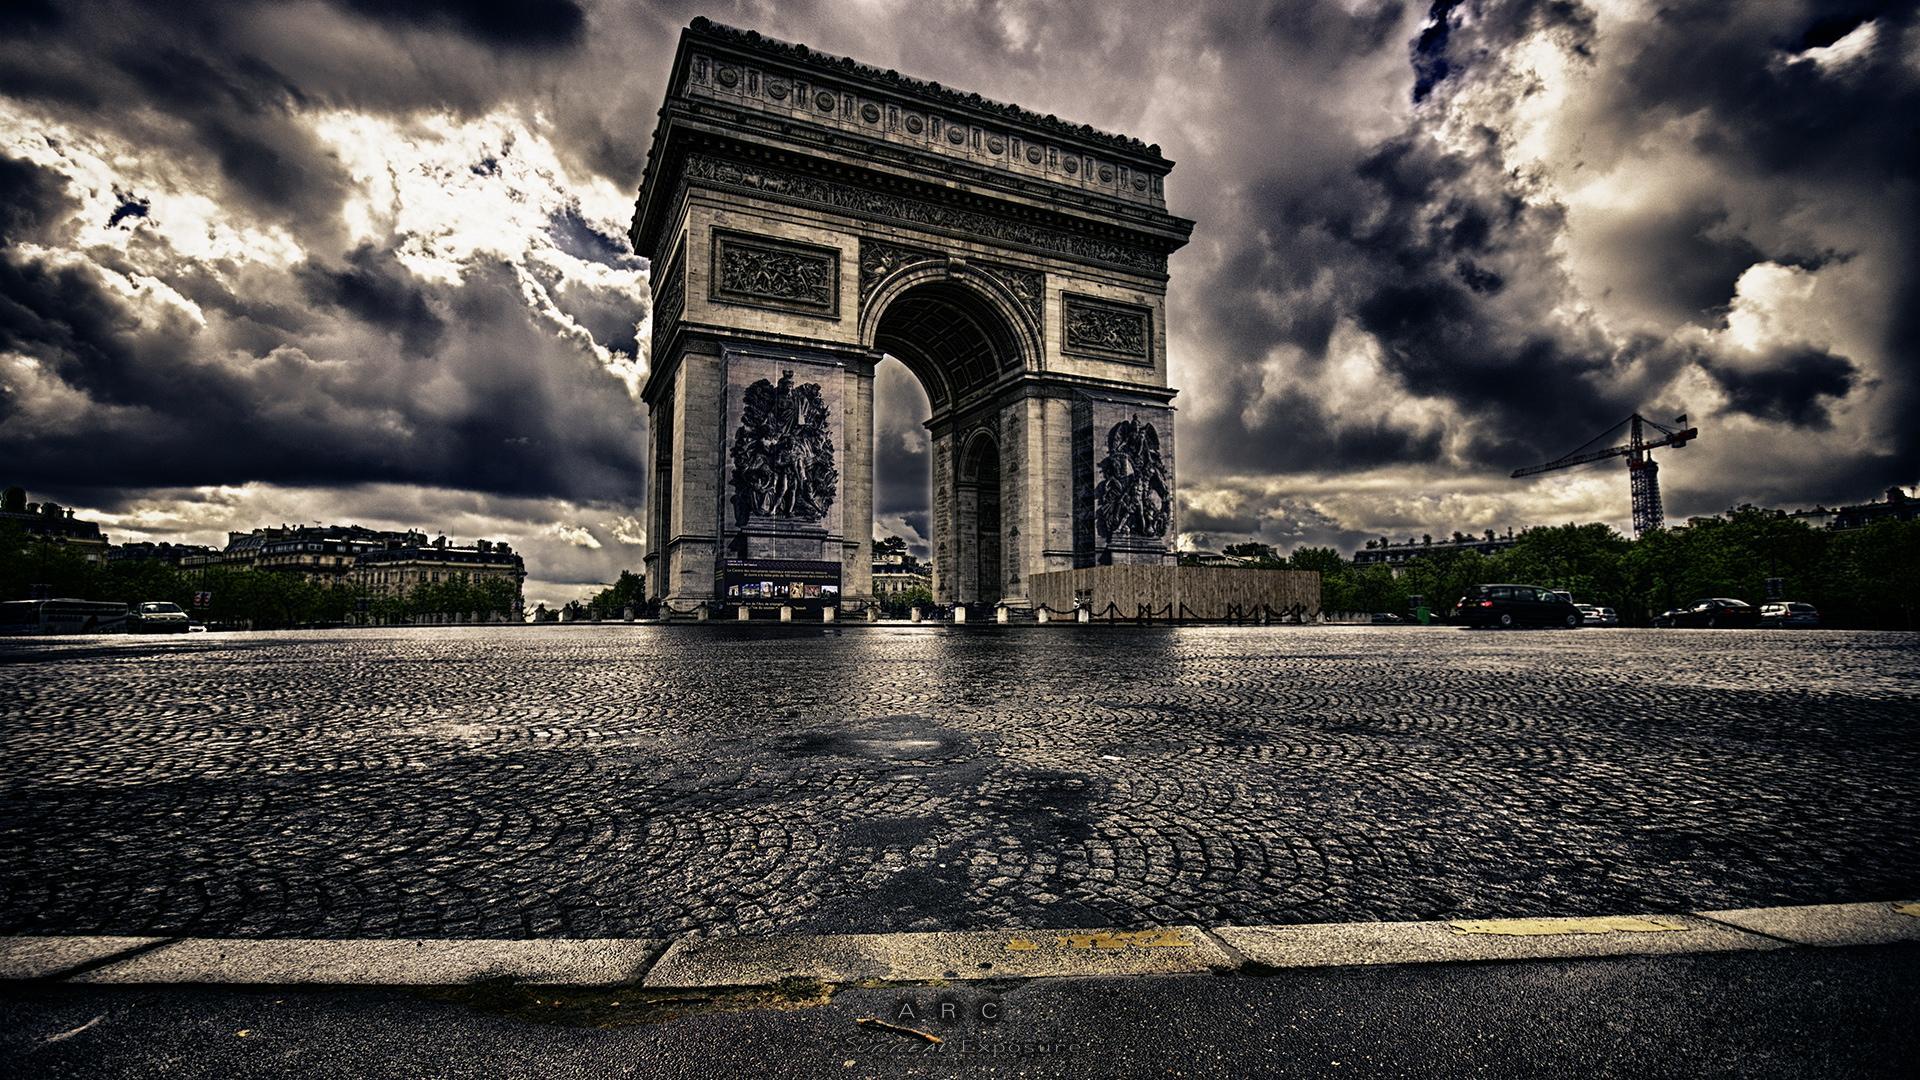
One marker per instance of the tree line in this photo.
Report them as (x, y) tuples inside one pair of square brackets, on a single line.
[(262, 599), (1860, 577)]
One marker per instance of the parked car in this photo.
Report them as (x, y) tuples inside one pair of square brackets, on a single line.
[(157, 617), (1515, 605), (1713, 612), (1789, 613), (1591, 615), (1385, 618)]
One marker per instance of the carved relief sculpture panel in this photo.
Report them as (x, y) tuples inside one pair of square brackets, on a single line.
[(1134, 498), (763, 272), (878, 259), (1027, 286), (1108, 330), (782, 454)]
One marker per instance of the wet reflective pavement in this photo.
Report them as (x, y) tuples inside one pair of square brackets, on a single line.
[(627, 781)]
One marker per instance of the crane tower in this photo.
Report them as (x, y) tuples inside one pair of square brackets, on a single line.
[(1643, 473)]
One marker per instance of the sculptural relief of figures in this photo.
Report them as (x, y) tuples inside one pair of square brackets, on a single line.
[(783, 453), (1134, 496)]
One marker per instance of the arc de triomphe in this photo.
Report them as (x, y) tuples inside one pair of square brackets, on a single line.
[(806, 216)]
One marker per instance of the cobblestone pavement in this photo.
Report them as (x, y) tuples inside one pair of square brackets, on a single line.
[(639, 780)]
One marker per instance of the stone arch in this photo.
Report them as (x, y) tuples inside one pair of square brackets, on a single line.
[(991, 317), (806, 215)]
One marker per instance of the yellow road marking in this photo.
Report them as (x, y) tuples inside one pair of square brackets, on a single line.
[(1021, 945), (1605, 924), (1908, 909)]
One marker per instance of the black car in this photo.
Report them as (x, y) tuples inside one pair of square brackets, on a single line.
[(1711, 612), (1515, 605)]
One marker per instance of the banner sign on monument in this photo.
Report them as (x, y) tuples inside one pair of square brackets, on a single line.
[(780, 582)]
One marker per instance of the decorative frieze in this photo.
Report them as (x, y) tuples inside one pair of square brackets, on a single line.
[(772, 181), (810, 86), (1108, 330), (764, 272)]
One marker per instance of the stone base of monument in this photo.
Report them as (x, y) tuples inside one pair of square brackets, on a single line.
[(1123, 549), (782, 538)]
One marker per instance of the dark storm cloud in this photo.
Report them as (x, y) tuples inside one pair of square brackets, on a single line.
[(33, 201), (525, 24), (178, 419), (344, 367), (373, 286), (223, 84), (1448, 259), (1795, 388)]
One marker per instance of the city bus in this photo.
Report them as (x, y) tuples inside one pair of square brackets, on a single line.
[(62, 617)]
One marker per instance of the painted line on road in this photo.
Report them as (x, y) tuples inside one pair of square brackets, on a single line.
[(1366, 944), (701, 962)]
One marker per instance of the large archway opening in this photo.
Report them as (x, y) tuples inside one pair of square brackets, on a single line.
[(958, 347), (902, 490)]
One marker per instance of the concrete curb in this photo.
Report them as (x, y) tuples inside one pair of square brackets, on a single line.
[(934, 957), (380, 963), (983, 954)]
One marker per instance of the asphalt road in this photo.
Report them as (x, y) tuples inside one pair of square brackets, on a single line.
[(1822, 1014), (639, 781)]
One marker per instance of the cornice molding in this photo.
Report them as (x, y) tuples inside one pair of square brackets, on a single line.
[(946, 97)]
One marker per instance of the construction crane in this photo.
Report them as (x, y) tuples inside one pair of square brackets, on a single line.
[(1642, 473)]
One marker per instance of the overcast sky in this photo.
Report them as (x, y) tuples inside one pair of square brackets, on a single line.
[(364, 260)]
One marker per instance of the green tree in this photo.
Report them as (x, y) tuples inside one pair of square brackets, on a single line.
[(1254, 552), (1585, 560), (898, 605), (1324, 560), (612, 602), (27, 564)]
